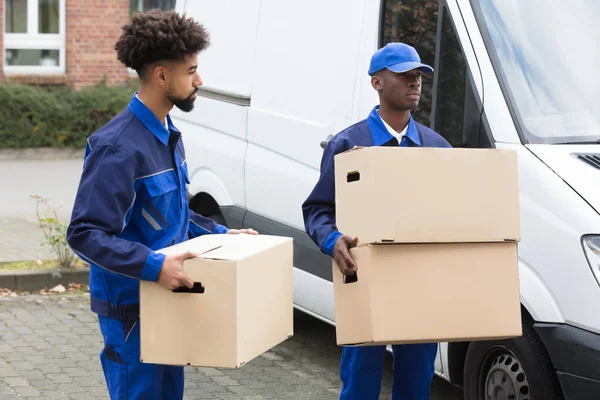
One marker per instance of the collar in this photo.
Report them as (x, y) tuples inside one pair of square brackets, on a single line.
[(150, 121), (381, 135), (397, 135)]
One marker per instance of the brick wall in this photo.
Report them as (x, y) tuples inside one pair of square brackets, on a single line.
[(93, 27)]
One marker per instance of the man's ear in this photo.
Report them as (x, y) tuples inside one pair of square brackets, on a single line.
[(159, 75), (376, 83)]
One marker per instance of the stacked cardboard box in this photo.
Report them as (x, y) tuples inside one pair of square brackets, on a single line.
[(241, 305), (437, 232)]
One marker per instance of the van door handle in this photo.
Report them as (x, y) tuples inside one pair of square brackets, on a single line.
[(324, 142)]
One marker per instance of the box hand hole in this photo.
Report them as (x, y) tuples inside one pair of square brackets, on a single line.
[(351, 278), (353, 176), (197, 288)]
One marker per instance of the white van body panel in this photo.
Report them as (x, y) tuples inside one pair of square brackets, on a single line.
[(215, 149), (314, 295), (582, 177), (270, 191), (225, 63), (553, 219), (536, 297), (303, 86)]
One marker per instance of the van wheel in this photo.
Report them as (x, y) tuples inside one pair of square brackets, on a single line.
[(513, 369)]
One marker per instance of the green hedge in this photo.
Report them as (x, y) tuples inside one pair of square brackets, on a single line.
[(32, 116)]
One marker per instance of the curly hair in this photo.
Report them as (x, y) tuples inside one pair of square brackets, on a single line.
[(159, 35)]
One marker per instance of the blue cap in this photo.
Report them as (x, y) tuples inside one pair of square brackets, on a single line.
[(397, 57)]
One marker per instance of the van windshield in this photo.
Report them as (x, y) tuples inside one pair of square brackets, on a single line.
[(546, 53)]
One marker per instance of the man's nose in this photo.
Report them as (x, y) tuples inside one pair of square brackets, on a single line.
[(198, 81)]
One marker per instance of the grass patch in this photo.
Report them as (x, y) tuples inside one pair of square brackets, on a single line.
[(36, 265)]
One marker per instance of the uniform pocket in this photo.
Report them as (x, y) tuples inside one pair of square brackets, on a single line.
[(161, 197), (114, 357), (111, 354), (160, 184)]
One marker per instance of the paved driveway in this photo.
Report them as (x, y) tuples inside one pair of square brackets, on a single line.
[(49, 348)]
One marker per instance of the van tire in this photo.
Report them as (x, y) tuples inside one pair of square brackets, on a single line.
[(518, 367)]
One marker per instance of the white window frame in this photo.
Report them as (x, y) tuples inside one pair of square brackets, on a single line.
[(35, 40)]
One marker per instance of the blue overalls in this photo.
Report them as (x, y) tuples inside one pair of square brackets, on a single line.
[(132, 201), (361, 367)]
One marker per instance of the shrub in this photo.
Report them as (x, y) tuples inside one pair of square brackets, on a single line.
[(59, 117)]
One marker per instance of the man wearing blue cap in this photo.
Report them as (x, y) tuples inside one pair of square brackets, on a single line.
[(395, 72)]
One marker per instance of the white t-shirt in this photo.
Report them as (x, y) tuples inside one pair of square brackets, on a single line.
[(392, 132)]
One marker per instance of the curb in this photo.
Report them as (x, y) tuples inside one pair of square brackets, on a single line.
[(31, 281), (42, 153)]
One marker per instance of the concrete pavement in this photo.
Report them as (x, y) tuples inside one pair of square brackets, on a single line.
[(50, 345), (56, 180)]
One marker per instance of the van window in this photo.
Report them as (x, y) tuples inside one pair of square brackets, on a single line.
[(457, 109), (413, 22), (545, 55), (146, 5)]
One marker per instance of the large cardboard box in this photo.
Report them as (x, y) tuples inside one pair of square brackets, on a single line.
[(243, 307), (417, 293), (427, 195), (438, 234)]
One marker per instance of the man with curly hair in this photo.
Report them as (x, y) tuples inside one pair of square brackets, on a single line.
[(132, 199)]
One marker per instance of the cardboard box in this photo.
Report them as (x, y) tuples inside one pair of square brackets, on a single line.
[(419, 293), (427, 195), (438, 233), (246, 307)]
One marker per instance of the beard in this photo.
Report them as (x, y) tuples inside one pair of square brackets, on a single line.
[(186, 104)]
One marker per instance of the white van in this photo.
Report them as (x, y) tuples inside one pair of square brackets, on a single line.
[(282, 77)]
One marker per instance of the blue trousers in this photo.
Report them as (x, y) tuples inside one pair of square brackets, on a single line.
[(126, 377), (361, 369)]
